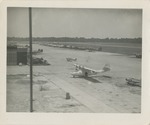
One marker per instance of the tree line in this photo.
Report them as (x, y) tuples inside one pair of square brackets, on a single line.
[(76, 39)]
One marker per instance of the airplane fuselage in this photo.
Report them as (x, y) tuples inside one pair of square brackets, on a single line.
[(82, 73)]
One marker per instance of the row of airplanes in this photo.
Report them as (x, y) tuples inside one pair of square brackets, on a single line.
[(82, 71)]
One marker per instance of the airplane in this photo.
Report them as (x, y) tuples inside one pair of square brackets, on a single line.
[(37, 51), (134, 82), (138, 55), (82, 71), (71, 59)]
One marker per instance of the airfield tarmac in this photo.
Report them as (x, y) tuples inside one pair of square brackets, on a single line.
[(107, 93)]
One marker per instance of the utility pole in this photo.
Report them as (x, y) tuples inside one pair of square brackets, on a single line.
[(31, 72)]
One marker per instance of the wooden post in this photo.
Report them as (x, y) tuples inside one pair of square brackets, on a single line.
[(31, 72)]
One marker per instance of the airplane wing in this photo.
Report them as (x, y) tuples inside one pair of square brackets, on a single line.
[(84, 69), (89, 70)]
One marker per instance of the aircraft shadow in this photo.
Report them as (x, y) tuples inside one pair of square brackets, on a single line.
[(92, 79)]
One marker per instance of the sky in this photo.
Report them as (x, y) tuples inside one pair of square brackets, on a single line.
[(75, 22)]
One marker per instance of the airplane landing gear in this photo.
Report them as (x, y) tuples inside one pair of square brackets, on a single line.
[(86, 74)]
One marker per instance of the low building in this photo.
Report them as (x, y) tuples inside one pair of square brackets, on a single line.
[(22, 55), (16, 55), (12, 55)]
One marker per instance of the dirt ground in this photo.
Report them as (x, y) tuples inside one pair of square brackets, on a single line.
[(108, 93)]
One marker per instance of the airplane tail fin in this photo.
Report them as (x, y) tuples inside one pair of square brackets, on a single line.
[(106, 68)]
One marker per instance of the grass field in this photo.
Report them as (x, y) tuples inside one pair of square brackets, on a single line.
[(113, 47)]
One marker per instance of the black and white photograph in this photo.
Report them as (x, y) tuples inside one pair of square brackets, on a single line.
[(70, 62), (74, 60)]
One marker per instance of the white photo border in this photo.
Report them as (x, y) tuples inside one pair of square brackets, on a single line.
[(142, 118)]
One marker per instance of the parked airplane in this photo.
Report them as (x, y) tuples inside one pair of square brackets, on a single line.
[(83, 71), (71, 59), (138, 55)]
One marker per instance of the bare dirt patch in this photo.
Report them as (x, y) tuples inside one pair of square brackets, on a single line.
[(47, 97)]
